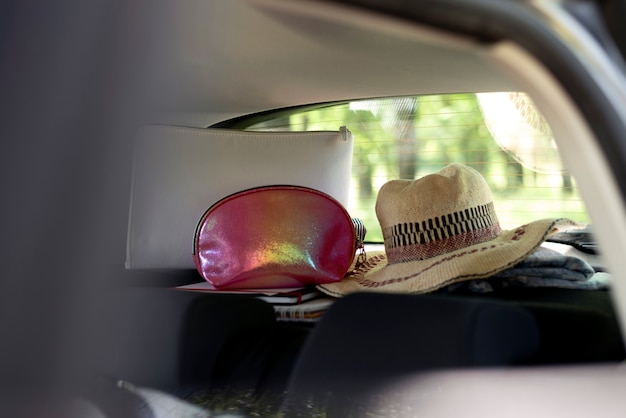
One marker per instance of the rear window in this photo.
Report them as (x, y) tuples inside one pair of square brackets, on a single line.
[(502, 135)]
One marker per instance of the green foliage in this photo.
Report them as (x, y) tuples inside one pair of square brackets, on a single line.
[(421, 135)]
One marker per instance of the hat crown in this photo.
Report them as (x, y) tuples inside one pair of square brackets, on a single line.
[(435, 214)]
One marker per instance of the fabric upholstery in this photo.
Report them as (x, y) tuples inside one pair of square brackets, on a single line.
[(367, 341), (165, 338)]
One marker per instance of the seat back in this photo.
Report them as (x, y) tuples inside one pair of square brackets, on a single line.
[(367, 341), (165, 338)]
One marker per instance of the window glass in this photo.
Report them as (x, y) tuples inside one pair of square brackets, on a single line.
[(501, 135)]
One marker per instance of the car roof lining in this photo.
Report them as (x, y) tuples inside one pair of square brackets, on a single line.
[(354, 52)]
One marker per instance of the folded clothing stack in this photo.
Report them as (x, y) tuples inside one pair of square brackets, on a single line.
[(544, 267)]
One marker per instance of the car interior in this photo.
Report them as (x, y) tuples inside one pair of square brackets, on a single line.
[(126, 124)]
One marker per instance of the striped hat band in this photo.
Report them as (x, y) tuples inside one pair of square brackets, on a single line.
[(411, 241)]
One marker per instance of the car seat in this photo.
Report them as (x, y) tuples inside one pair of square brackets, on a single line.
[(368, 340)]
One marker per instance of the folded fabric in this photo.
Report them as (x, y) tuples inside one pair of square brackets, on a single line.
[(542, 268)]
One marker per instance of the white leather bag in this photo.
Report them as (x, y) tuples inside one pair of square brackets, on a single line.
[(179, 172)]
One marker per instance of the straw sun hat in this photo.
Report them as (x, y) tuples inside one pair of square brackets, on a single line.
[(438, 230)]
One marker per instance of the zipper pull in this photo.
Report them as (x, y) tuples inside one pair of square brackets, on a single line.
[(346, 135), (360, 231)]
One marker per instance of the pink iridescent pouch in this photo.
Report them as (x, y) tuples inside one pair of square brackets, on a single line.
[(274, 237)]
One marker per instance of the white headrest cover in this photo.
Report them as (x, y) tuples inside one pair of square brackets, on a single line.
[(179, 173)]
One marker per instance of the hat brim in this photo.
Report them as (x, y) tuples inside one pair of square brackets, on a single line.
[(472, 262)]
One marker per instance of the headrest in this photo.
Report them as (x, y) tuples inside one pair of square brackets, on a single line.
[(178, 173)]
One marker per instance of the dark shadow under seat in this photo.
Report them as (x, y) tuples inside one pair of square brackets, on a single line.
[(368, 341), (169, 339), (200, 346)]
